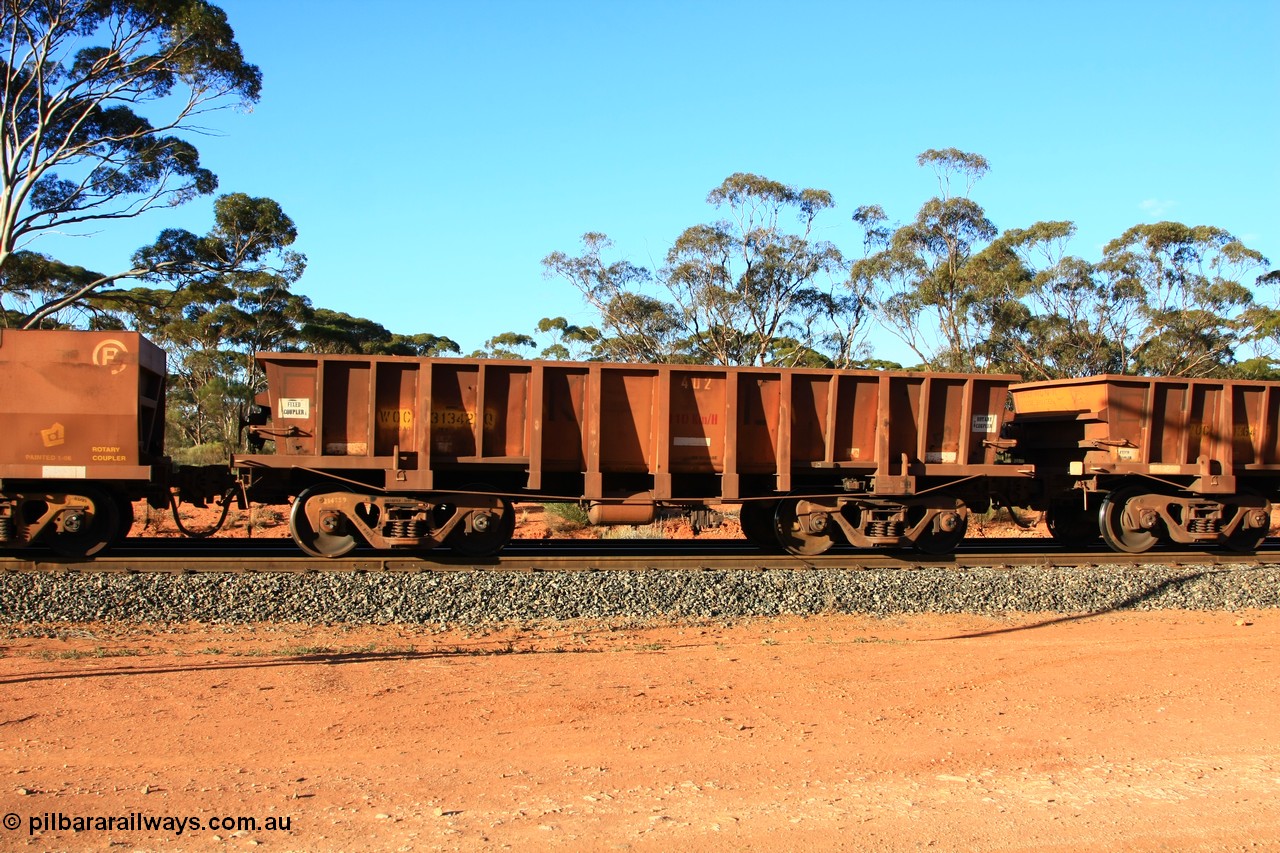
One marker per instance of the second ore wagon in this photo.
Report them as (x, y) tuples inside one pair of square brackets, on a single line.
[(412, 453)]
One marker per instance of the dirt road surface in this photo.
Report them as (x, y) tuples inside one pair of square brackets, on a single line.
[(1129, 731)]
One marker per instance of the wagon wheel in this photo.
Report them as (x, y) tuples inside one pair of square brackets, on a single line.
[(803, 534), (1071, 524), (484, 532), (944, 533), (336, 540), (86, 534), (756, 518), (1248, 539), (1119, 525)]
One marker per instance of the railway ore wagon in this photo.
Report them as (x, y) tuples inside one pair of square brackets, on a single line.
[(1137, 460), (83, 432), (399, 452)]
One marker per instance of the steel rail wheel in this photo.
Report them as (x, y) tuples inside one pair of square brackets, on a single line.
[(1123, 525), (486, 531), (943, 534), (803, 529), (85, 534), (334, 538)]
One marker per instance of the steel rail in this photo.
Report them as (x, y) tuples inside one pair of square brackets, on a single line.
[(280, 556)]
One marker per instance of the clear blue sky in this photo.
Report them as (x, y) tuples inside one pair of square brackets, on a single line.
[(432, 153)]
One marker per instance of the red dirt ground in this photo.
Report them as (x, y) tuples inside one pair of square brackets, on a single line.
[(1130, 731)]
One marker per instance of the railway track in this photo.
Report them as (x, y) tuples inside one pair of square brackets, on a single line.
[(177, 556)]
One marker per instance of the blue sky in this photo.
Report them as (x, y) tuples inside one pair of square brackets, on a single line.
[(433, 153)]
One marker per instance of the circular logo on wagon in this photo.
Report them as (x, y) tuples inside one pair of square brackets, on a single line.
[(109, 353)]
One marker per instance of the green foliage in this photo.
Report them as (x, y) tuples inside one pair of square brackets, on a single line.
[(1193, 305), (566, 516), (940, 283), (569, 342), (217, 453), (83, 83), (745, 281), (1166, 298), (504, 346), (556, 339), (325, 331), (731, 290), (633, 325)]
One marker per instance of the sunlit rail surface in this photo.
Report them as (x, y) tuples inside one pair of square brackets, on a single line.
[(280, 555)]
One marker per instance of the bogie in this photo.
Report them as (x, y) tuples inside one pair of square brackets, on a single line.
[(331, 520)]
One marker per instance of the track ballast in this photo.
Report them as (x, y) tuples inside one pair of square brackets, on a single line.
[(539, 580)]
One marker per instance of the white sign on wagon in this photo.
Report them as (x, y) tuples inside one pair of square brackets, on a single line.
[(295, 407)]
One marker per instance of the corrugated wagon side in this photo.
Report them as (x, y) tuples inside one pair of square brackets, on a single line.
[(405, 452), (1137, 460)]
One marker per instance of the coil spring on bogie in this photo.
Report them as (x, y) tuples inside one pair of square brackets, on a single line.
[(884, 528), (6, 529), (1204, 525), (406, 528)]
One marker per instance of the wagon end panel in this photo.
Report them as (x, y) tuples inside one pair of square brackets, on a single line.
[(987, 417), (80, 405), (940, 426)]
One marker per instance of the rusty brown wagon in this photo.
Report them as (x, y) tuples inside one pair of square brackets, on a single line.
[(413, 453), (1138, 460)]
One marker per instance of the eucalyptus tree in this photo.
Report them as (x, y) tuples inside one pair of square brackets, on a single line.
[(212, 330), (506, 345), (1197, 304), (634, 326), (745, 281), (933, 286), (729, 290), (98, 99), (569, 342), (1263, 319), (1070, 321)]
